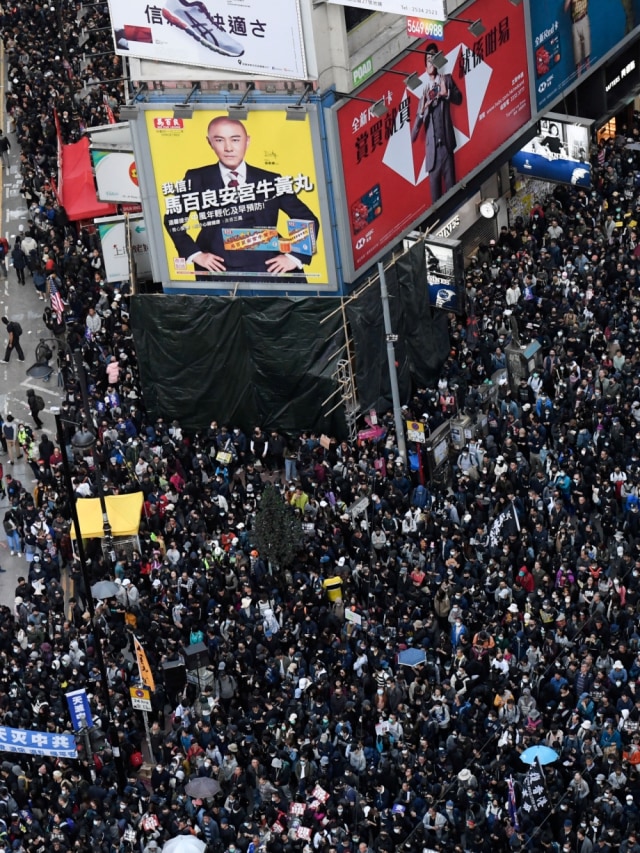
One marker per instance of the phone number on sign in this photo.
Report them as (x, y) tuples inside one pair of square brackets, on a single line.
[(423, 27)]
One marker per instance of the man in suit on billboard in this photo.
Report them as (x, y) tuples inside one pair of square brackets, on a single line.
[(434, 116), (257, 197)]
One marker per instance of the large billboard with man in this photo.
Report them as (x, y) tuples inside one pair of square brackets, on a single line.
[(237, 202), (571, 36), (442, 122)]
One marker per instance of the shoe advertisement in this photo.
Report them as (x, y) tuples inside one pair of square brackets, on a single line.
[(240, 35)]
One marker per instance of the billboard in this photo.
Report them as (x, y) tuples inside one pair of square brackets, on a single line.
[(445, 274), (621, 76), (239, 35), (116, 176), (221, 221), (570, 36), (559, 152), (434, 9), (394, 168), (113, 237)]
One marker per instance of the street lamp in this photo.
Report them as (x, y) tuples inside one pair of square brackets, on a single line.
[(82, 440)]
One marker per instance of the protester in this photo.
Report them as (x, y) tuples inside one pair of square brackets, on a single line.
[(514, 578)]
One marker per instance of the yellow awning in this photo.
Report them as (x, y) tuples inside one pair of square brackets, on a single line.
[(123, 511)]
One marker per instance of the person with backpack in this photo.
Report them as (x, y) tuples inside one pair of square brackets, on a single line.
[(36, 405), (14, 331), (10, 433)]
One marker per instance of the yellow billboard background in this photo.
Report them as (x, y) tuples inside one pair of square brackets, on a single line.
[(278, 145)]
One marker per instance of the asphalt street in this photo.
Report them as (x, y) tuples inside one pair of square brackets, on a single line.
[(21, 304)]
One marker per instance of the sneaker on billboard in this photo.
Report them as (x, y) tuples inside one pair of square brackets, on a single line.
[(195, 20)]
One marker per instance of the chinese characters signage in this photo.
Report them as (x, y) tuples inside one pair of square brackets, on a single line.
[(420, 8), (26, 742), (240, 35), (238, 202), (395, 168), (79, 709), (570, 38)]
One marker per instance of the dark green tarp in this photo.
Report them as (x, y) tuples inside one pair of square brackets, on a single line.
[(266, 361), (423, 336), (271, 360)]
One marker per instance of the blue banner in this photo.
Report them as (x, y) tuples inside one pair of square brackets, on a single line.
[(26, 742), (79, 709)]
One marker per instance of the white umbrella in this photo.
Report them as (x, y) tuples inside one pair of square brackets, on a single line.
[(184, 844)]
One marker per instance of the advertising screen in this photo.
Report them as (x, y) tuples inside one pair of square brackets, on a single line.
[(113, 238), (238, 202), (240, 35), (558, 153), (571, 36), (116, 176), (445, 274), (394, 168)]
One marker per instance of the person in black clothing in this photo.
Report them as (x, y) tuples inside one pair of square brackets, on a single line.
[(34, 405), (14, 330)]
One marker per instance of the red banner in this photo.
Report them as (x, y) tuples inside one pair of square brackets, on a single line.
[(397, 166)]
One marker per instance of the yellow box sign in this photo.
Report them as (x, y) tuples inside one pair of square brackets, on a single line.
[(238, 198)]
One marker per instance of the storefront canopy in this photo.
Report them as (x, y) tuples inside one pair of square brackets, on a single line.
[(76, 188), (123, 512)]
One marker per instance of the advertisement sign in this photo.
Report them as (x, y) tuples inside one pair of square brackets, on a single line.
[(558, 153), (79, 709), (422, 8), (113, 236), (116, 176), (423, 28), (238, 203), (621, 76), (27, 742), (445, 274), (240, 35), (570, 36), (395, 168)]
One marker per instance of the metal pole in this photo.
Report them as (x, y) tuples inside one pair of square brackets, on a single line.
[(147, 731), (391, 357), (84, 391), (97, 630)]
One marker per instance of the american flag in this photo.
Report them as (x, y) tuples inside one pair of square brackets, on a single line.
[(511, 805), (57, 304)]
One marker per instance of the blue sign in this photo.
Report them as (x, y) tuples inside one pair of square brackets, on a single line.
[(571, 36), (559, 153), (27, 742), (79, 709)]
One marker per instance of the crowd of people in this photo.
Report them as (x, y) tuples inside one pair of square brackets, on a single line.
[(302, 711)]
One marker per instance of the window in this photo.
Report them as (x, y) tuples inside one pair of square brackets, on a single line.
[(353, 17)]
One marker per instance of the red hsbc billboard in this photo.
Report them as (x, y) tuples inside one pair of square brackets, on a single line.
[(395, 167)]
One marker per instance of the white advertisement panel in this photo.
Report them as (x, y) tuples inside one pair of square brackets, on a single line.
[(116, 176), (434, 10), (113, 235), (248, 36)]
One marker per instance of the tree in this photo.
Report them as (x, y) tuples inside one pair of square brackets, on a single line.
[(278, 531)]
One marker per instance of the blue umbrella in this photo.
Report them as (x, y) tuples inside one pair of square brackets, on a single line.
[(544, 754), (411, 657)]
